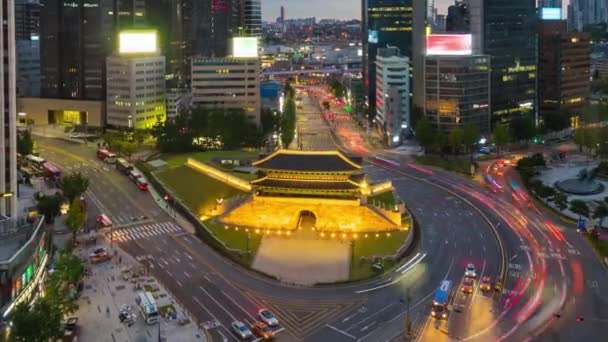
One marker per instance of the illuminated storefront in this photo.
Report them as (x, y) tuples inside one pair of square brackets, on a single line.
[(22, 274)]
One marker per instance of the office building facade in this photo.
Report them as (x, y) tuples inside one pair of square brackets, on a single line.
[(392, 95), (136, 94), (457, 92), (506, 31), (231, 83), (8, 101), (27, 35), (457, 20), (586, 12), (564, 68), (384, 23), (74, 42)]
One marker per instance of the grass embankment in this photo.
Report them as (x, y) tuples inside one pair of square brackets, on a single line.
[(386, 200), (237, 239), (460, 165), (372, 246), (210, 157), (198, 191)]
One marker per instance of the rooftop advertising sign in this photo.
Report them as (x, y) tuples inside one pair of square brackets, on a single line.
[(245, 47), (449, 44), (551, 13), (137, 42)]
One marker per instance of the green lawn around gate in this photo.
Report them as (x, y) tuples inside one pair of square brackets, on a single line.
[(198, 191), (374, 246), (180, 159), (386, 200), (177, 160), (236, 239)]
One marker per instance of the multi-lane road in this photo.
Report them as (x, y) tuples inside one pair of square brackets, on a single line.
[(461, 222)]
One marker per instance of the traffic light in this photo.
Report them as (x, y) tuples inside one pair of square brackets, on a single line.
[(166, 197)]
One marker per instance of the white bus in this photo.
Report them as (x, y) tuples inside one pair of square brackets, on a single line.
[(147, 306), (35, 161)]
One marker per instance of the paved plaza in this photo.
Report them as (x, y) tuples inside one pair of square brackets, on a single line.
[(112, 285), (303, 258)]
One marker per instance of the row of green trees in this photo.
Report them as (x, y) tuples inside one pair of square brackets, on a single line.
[(42, 321), (207, 128), (337, 89), (458, 139), (592, 138)]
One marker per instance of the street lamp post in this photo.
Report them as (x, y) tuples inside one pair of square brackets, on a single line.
[(408, 320)]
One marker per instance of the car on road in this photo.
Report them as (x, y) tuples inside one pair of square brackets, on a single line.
[(498, 286), (470, 271), (262, 330), (241, 330), (267, 317), (485, 284), (467, 285), (99, 255), (104, 221)]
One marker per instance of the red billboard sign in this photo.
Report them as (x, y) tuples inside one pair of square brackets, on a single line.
[(449, 44)]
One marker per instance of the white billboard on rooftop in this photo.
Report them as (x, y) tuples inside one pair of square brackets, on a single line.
[(133, 42), (245, 47)]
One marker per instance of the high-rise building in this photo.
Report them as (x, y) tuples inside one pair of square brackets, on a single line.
[(586, 12), (27, 35), (550, 3), (231, 82), (173, 20), (8, 101), (75, 39), (136, 97), (397, 23), (564, 65), (457, 91), (27, 19), (457, 20), (506, 30), (392, 95), (250, 18)]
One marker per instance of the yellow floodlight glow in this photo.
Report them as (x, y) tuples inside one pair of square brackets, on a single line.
[(137, 42)]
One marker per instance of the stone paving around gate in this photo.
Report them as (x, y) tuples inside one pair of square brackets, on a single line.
[(109, 287)]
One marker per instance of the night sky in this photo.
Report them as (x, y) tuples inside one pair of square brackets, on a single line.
[(335, 9)]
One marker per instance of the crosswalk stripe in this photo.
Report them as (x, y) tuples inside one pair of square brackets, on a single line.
[(165, 230)]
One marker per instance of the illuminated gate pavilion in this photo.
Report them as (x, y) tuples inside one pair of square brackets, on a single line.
[(325, 184)]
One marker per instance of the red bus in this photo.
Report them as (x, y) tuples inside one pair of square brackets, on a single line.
[(139, 180), (51, 171), (106, 156)]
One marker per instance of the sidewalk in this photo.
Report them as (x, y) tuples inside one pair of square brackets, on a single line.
[(113, 284)]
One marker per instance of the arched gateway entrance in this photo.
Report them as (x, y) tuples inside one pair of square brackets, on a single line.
[(307, 220)]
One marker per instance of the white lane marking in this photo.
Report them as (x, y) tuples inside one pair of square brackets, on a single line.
[(403, 274), (483, 269), (340, 331), (205, 308), (240, 307), (370, 316), (218, 303), (178, 282), (187, 275)]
